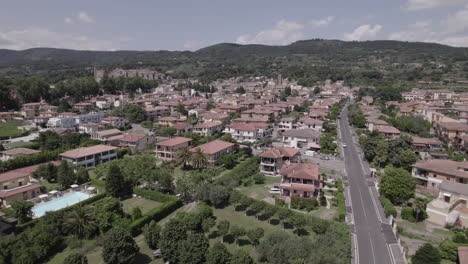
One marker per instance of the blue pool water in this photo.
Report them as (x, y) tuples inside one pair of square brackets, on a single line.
[(59, 203)]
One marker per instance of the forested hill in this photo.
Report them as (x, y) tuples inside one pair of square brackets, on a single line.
[(320, 48), (376, 58)]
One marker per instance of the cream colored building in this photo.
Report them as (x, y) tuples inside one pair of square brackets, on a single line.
[(450, 206)]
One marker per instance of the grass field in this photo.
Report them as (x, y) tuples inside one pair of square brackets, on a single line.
[(11, 129), (247, 222), (144, 204)]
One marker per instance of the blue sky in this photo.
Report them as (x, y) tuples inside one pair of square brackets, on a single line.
[(189, 25)]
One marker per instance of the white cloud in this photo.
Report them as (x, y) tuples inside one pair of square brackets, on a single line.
[(193, 44), (428, 4), (68, 20), (283, 33), (423, 31), (85, 18), (43, 37), (323, 22), (364, 32), (457, 22)]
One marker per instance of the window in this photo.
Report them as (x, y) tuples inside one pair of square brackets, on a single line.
[(447, 198)]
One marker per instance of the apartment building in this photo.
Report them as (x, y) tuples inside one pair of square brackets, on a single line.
[(302, 180), (168, 149), (18, 185), (275, 158), (310, 123), (248, 132), (134, 141), (451, 133), (208, 129), (115, 121), (300, 138), (6, 117), (90, 157), (431, 173), (215, 149)]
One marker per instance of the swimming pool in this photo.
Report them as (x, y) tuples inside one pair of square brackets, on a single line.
[(59, 203)]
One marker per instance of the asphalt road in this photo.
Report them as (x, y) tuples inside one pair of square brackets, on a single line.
[(371, 234)]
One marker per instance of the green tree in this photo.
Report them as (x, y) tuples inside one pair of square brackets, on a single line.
[(119, 247), (255, 235), (82, 175), (241, 257), (22, 210), (223, 228), (115, 182), (284, 214), (76, 258), (199, 159), (152, 234), (448, 250), (426, 254), (419, 207), (407, 158), (65, 175), (299, 222), (237, 232), (80, 222), (173, 233), (47, 171), (381, 153), (227, 161), (136, 213), (397, 185), (218, 254), (194, 249)]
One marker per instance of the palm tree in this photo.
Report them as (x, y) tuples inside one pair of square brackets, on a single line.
[(184, 157), (199, 159), (80, 222)]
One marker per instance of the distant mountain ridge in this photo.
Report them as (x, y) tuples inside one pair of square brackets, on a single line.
[(317, 47)]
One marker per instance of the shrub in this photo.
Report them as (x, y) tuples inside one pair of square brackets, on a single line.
[(242, 171), (279, 202), (448, 250), (156, 214), (388, 207), (407, 213), (340, 201), (153, 195), (302, 203)]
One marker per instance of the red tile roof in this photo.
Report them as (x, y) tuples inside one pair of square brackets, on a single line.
[(174, 141), (20, 151), (208, 125), (463, 255), (279, 152), (85, 151), (25, 188), (247, 126), (298, 187), (22, 172), (131, 137), (213, 147), (301, 171)]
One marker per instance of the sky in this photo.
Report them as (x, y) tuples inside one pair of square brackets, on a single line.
[(194, 24)]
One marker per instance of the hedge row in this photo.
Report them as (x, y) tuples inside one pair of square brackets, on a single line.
[(388, 207), (340, 201), (243, 170), (303, 203), (153, 195), (95, 198), (156, 214)]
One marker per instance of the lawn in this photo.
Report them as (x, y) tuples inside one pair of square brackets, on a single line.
[(11, 129), (49, 186), (144, 204), (258, 192), (100, 185)]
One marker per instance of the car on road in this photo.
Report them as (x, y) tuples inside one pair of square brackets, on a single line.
[(344, 145)]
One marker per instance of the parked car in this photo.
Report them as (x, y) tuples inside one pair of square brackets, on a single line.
[(275, 190), (344, 145)]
